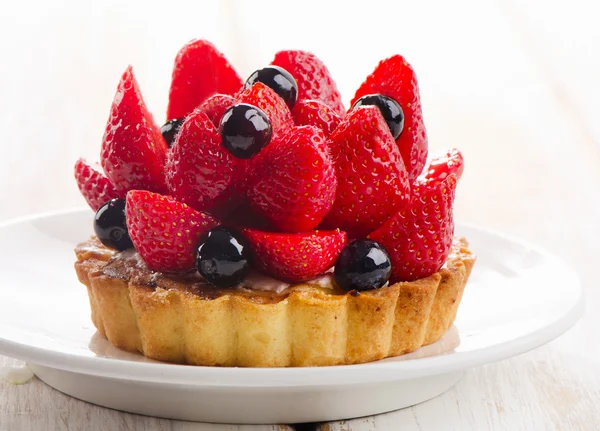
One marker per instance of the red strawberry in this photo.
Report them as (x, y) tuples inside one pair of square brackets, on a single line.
[(200, 71), (165, 232), (312, 77), (443, 164), (295, 257), (215, 106), (315, 113), (418, 238), (199, 170), (133, 149), (395, 78), (372, 179), (93, 185), (270, 103), (294, 184)]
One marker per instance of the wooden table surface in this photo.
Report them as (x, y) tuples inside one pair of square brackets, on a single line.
[(514, 86)]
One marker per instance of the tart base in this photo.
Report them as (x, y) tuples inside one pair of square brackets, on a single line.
[(305, 325)]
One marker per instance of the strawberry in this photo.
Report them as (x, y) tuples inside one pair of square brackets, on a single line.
[(312, 77), (270, 103), (395, 78), (200, 71), (443, 164), (372, 179), (294, 184), (418, 238), (133, 149), (215, 106), (93, 185), (295, 257), (165, 232), (314, 113), (199, 170)]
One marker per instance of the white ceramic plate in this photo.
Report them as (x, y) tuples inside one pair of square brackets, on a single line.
[(518, 298)]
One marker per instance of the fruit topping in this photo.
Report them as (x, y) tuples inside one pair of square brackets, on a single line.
[(390, 109), (444, 164), (165, 232), (362, 265), (110, 226), (170, 130), (133, 149), (245, 130), (279, 80), (293, 185), (271, 104), (215, 106), (372, 180), (223, 257), (295, 257), (418, 238), (200, 71), (199, 170), (312, 76), (314, 113), (395, 78), (93, 185)]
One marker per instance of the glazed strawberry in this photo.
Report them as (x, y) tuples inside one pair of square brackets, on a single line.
[(199, 170), (270, 103), (395, 78), (133, 148), (295, 257), (215, 106), (372, 179), (293, 185), (314, 113), (93, 185), (441, 165), (418, 238), (200, 71), (165, 232), (312, 77)]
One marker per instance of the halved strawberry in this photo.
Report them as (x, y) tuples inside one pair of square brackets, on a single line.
[(315, 113), (165, 232), (372, 179), (200, 171), (133, 149), (313, 79), (200, 71), (295, 257), (270, 103), (293, 185), (418, 238), (395, 78), (215, 106), (443, 164), (93, 185)]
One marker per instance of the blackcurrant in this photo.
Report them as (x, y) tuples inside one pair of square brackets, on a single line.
[(170, 130), (279, 79), (245, 130), (110, 225), (223, 257), (362, 265), (390, 109)]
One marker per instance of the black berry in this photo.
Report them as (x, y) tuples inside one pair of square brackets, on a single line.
[(110, 225), (362, 265), (279, 79), (223, 257), (170, 130), (390, 109), (245, 130)]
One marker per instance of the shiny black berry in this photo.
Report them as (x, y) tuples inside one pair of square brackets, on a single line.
[(170, 130), (110, 225), (223, 257), (390, 109), (279, 79), (362, 265), (245, 130)]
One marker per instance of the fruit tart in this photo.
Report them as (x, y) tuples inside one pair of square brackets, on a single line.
[(266, 225)]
